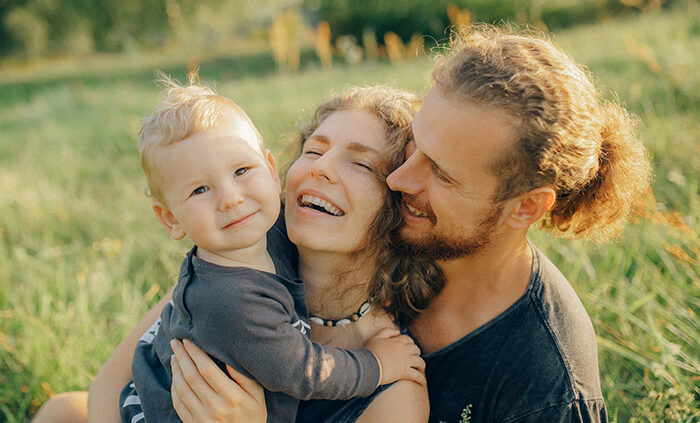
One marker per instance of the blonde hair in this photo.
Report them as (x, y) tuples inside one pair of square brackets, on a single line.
[(402, 286), (585, 149), (183, 111)]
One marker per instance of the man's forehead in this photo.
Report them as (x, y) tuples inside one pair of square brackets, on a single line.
[(452, 131)]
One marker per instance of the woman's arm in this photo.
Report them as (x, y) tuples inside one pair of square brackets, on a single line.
[(405, 401), (103, 398)]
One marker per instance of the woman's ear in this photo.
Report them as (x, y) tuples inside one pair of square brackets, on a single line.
[(272, 164), (167, 218), (530, 207)]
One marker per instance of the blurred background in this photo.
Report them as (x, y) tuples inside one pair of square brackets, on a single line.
[(82, 258)]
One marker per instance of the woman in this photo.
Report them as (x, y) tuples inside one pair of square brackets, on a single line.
[(340, 214)]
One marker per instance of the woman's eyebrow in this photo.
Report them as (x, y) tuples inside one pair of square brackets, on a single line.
[(361, 148), (320, 138)]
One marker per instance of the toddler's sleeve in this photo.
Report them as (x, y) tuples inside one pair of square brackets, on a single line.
[(252, 328)]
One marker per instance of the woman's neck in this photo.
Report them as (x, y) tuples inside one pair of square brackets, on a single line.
[(335, 284)]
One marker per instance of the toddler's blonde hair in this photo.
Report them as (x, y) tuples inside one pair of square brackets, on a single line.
[(184, 111)]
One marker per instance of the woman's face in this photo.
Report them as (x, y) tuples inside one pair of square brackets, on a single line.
[(333, 193)]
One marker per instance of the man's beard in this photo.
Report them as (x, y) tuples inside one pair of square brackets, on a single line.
[(434, 247)]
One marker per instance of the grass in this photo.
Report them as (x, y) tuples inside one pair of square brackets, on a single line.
[(82, 258)]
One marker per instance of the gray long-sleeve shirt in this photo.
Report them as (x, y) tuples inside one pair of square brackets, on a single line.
[(257, 322)]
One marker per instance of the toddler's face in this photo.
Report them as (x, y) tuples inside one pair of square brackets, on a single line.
[(219, 189)]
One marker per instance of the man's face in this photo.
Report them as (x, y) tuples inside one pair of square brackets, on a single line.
[(446, 181)]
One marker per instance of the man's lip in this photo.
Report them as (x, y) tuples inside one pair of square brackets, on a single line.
[(240, 221), (410, 217)]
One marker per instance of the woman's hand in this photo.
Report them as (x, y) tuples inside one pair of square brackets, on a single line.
[(201, 392)]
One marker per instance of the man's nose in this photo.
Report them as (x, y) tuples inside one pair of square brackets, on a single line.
[(406, 178)]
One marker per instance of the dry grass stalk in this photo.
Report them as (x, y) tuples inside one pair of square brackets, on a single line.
[(643, 53), (369, 41), (285, 31), (394, 47), (324, 49), (458, 17)]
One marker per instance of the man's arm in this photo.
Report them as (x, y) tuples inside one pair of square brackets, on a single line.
[(103, 398)]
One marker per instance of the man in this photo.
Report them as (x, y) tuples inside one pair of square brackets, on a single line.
[(512, 133)]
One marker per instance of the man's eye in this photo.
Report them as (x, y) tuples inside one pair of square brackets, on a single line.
[(200, 190), (439, 174), (241, 171)]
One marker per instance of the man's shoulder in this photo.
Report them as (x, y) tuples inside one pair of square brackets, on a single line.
[(539, 354), (564, 317)]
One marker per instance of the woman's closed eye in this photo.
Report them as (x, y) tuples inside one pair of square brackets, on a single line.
[(364, 165), (312, 152)]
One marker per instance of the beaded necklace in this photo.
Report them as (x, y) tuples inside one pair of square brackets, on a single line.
[(344, 321)]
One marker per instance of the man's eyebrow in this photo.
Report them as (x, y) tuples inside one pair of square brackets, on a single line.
[(361, 148)]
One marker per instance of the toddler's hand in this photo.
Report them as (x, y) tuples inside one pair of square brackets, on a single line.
[(398, 355)]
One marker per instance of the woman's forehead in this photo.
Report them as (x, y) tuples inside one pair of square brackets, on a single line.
[(358, 129)]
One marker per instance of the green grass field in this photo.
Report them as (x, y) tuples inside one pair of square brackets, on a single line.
[(82, 257)]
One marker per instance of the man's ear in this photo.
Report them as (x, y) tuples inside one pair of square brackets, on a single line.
[(272, 165), (530, 207), (167, 218)]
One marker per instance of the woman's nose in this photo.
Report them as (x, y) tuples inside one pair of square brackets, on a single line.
[(323, 168)]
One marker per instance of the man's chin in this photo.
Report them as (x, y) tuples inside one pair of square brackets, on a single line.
[(434, 247)]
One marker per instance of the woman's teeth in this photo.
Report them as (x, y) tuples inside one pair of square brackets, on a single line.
[(319, 204)]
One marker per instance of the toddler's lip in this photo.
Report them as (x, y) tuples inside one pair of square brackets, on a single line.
[(240, 221)]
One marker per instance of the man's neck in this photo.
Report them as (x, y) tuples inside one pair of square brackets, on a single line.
[(255, 257), (477, 289)]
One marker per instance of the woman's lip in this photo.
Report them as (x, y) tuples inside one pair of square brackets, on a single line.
[(313, 212), (320, 196), (240, 222)]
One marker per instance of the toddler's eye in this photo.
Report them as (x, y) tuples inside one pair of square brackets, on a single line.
[(241, 171), (200, 190)]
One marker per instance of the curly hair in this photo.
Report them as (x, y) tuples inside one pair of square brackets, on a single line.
[(584, 148), (400, 285)]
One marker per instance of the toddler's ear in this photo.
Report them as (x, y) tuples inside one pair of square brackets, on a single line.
[(273, 167), (167, 218)]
